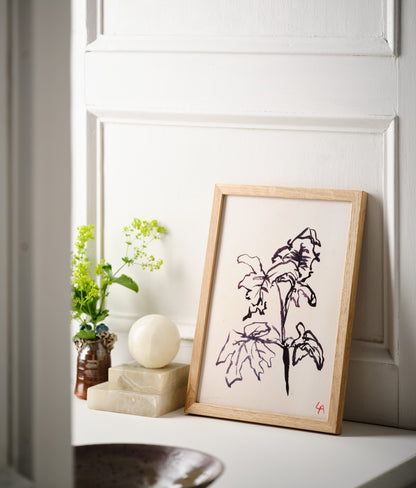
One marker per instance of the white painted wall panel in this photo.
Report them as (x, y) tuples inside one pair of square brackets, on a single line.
[(314, 85), (320, 18), (174, 181), (257, 26)]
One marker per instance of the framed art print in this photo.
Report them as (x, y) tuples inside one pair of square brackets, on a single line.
[(277, 303)]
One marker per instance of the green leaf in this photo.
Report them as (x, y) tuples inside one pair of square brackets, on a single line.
[(126, 281), (102, 316), (83, 301), (108, 269), (86, 334)]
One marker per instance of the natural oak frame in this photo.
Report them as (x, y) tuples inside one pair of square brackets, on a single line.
[(333, 424)]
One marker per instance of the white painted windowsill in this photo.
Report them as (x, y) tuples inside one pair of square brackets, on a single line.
[(262, 456)]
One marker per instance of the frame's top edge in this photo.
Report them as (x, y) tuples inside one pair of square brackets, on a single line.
[(290, 192)]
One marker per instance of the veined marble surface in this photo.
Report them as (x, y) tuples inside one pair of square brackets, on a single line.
[(136, 390)]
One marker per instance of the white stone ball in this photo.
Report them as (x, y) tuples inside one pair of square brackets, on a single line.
[(154, 341)]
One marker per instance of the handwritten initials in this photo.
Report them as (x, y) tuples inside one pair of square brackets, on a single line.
[(320, 408)]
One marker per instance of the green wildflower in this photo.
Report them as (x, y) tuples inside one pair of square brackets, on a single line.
[(91, 287)]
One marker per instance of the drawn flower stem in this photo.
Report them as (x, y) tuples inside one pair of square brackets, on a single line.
[(286, 365), (283, 315), (284, 309)]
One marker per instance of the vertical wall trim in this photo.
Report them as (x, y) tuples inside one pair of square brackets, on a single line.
[(93, 20), (391, 233), (391, 11), (49, 211), (94, 183), (20, 252), (100, 184), (4, 232)]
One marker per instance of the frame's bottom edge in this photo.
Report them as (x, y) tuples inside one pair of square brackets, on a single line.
[(264, 418)]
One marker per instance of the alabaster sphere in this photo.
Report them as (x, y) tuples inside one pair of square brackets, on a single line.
[(154, 341)]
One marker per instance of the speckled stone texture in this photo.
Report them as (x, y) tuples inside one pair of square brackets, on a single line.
[(136, 390), (143, 466)]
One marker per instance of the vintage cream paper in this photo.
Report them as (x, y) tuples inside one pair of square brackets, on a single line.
[(259, 226)]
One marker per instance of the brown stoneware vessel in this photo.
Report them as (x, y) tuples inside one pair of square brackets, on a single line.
[(94, 359)]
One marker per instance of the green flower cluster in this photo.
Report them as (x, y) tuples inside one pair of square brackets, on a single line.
[(139, 234), (90, 289)]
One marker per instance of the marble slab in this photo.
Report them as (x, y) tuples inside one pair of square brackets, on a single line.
[(134, 377), (105, 397), (136, 390)]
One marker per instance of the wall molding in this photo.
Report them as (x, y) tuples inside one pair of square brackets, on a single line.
[(386, 126), (4, 249), (260, 121), (122, 321), (391, 239), (383, 45)]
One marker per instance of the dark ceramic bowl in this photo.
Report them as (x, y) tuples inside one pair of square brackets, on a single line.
[(143, 466)]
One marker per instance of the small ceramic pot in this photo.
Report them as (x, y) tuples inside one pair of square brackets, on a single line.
[(93, 361)]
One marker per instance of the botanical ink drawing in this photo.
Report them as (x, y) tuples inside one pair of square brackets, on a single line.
[(259, 341)]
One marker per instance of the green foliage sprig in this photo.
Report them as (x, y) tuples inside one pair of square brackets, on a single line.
[(91, 287)]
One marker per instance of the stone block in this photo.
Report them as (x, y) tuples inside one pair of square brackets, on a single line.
[(104, 397), (136, 390), (134, 377)]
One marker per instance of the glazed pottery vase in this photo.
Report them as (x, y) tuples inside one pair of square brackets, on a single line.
[(93, 361)]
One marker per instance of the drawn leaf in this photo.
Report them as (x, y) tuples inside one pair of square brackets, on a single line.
[(260, 353), (301, 251), (233, 372), (301, 291), (228, 349), (252, 345), (256, 283), (256, 330), (307, 344), (284, 271)]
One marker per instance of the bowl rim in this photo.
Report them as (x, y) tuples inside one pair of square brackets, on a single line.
[(215, 460)]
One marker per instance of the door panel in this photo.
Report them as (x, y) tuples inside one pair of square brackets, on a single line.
[(257, 26), (244, 84)]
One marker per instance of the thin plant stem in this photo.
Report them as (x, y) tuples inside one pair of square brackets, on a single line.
[(282, 316), (284, 309), (120, 268)]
